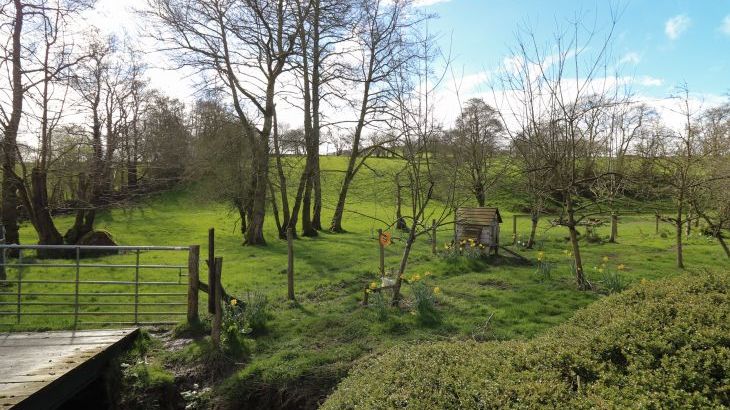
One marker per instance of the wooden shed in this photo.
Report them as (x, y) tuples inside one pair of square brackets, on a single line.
[(479, 224)]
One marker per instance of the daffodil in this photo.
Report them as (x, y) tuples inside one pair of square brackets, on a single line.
[(427, 274), (540, 256), (621, 267), (234, 302), (373, 285), (368, 291), (600, 270), (605, 259), (437, 290)]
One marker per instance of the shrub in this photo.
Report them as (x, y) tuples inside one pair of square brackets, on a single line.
[(424, 303), (256, 312), (380, 305), (662, 344)]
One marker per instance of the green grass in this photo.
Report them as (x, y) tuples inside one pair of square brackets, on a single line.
[(327, 329)]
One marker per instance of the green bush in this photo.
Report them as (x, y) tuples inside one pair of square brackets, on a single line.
[(659, 344)]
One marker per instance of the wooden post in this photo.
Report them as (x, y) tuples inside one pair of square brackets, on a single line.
[(657, 224), (211, 271), (193, 283), (215, 328), (614, 227), (290, 264), (382, 253), (433, 236), (514, 229)]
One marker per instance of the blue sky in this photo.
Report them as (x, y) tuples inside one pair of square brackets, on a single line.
[(666, 42)]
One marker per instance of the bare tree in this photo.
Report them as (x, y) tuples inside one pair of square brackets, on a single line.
[(473, 148), (246, 45), (40, 58), (556, 94), (419, 133), (383, 48)]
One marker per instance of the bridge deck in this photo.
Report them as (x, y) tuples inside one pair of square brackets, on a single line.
[(41, 370)]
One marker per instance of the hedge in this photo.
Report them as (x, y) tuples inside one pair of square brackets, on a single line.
[(663, 344)]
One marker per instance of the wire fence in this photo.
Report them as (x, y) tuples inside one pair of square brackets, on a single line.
[(85, 286)]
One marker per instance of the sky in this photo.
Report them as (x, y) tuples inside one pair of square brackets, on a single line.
[(659, 43), (665, 42)]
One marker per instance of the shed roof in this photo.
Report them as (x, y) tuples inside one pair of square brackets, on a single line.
[(477, 216)]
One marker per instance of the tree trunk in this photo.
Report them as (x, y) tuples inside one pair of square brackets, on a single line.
[(317, 209), (614, 228), (580, 278), (257, 212), (533, 229), (400, 223), (723, 244), (242, 215), (48, 234), (132, 179), (282, 227), (678, 223), (403, 264), (307, 228), (9, 182), (480, 195), (336, 225)]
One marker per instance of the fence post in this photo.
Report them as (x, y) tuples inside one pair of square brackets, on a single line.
[(290, 263), (433, 236), (3, 274), (76, 289), (514, 229), (193, 283), (656, 228), (382, 253), (211, 270), (136, 289), (215, 328)]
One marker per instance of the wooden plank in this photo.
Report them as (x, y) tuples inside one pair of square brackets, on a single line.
[(43, 370)]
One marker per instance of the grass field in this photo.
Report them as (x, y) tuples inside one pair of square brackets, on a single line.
[(327, 329)]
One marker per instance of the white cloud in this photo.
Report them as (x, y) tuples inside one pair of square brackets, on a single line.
[(725, 26), (423, 3), (649, 81), (632, 58), (675, 26)]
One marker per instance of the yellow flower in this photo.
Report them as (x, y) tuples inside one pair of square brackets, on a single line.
[(373, 285), (368, 291), (540, 256), (427, 274), (446, 246), (437, 290), (416, 277), (621, 267), (481, 246), (234, 302), (600, 270), (605, 259)]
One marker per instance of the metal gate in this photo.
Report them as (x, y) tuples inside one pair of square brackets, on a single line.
[(92, 286)]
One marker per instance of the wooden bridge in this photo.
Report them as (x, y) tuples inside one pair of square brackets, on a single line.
[(42, 370)]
